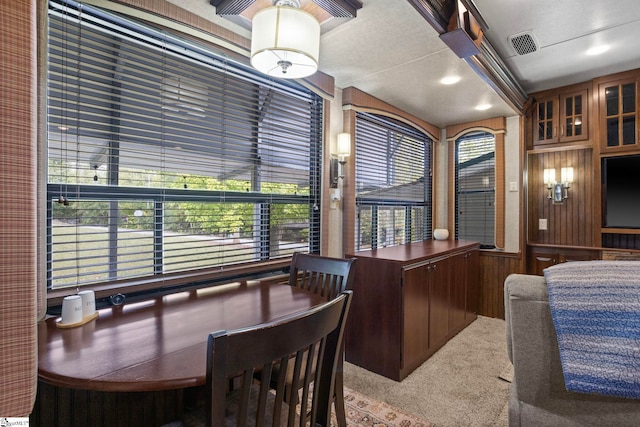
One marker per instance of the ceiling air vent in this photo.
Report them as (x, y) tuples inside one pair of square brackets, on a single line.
[(523, 43)]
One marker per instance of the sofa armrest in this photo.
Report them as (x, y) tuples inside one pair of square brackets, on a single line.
[(531, 338), (521, 287)]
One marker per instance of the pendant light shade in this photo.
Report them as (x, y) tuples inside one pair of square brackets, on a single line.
[(285, 42)]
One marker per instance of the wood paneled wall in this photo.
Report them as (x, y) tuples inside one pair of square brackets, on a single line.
[(572, 222), (494, 269), (64, 407)]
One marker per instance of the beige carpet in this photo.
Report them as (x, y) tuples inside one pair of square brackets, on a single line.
[(458, 386)]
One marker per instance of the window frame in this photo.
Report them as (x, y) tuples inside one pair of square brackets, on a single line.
[(485, 193), (377, 204), (497, 127), (145, 287)]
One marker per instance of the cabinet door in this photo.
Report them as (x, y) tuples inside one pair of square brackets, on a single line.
[(458, 297), (541, 260), (473, 283), (438, 302), (415, 311), (574, 117), (619, 115), (546, 121)]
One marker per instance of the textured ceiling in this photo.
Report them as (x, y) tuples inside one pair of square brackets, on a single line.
[(392, 53)]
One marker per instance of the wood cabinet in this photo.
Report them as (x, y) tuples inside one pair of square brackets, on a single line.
[(561, 118), (408, 301), (618, 111), (543, 257)]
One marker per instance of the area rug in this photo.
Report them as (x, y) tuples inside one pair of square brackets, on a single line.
[(361, 411), (365, 411)]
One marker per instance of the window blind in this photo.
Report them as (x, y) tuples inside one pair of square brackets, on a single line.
[(475, 188), (393, 183), (165, 156)]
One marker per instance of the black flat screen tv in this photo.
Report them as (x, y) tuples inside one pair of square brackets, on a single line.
[(621, 191)]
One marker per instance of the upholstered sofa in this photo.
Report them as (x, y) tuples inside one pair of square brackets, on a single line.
[(538, 396)]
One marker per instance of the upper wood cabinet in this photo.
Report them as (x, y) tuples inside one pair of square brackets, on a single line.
[(561, 118), (618, 101)]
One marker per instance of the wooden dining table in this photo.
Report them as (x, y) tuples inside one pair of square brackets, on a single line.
[(159, 344)]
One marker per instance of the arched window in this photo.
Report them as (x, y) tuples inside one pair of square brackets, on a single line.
[(475, 188)]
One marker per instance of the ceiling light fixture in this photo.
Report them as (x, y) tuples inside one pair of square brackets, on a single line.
[(482, 107), (285, 41)]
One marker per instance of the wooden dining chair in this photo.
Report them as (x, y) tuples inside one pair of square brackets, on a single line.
[(237, 354), (327, 277), (322, 275)]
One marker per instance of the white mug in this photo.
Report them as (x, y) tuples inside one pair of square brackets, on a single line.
[(72, 309), (88, 303)]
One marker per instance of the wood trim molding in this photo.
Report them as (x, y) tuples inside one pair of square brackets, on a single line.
[(357, 100), (348, 186), (495, 125), (500, 189)]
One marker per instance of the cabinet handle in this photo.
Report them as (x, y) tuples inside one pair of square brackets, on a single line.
[(555, 131), (561, 130)]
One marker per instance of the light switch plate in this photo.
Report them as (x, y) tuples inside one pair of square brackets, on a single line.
[(542, 224), (513, 186)]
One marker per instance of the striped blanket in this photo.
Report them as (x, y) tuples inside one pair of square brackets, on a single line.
[(595, 306)]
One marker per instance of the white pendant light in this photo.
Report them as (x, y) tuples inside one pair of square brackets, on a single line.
[(285, 41)]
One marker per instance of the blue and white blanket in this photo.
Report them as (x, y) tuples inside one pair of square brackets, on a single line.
[(595, 306)]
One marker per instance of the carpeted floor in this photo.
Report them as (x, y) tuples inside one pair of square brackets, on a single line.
[(458, 386)]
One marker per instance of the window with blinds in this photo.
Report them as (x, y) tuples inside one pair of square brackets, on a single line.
[(393, 183), (164, 156), (475, 164)]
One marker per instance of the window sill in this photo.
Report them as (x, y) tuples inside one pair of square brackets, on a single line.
[(136, 290)]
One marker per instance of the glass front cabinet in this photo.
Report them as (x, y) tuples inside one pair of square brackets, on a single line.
[(561, 118), (619, 115)]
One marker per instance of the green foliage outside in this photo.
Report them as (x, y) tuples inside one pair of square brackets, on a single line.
[(196, 234)]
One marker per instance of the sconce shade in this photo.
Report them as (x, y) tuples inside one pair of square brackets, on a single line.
[(549, 176), (344, 145), (285, 42), (558, 192)]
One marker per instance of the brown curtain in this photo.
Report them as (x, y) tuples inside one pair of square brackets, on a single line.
[(18, 185)]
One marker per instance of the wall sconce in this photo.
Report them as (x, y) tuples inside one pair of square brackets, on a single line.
[(336, 170), (558, 192)]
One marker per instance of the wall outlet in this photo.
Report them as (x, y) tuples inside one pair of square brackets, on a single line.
[(542, 224), (513, 186)]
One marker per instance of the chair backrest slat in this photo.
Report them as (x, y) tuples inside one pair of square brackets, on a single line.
[(321, 275)]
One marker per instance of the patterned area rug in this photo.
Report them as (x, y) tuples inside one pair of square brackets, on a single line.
[(365, 411), (361, 411)]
